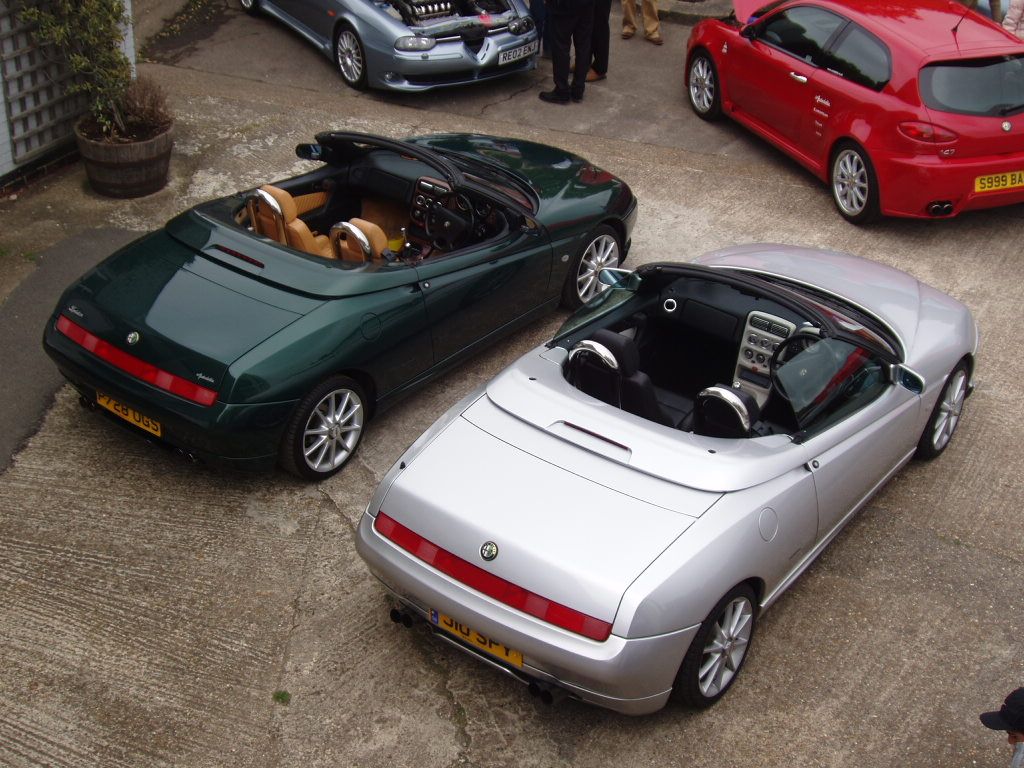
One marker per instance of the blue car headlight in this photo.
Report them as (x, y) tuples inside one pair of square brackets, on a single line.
[(415, 43), (520, 25)]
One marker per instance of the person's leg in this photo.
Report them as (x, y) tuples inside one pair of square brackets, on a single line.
[(652, 27), (539, 13), (582, 33), (599, 40), (628, 18), (561, 26)]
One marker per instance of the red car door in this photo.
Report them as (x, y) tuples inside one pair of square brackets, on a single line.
[(847, 90), (772, 73)]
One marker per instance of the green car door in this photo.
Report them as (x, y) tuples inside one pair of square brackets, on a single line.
[(473, 293)]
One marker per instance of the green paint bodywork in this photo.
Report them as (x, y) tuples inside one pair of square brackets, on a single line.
[(263, 330)]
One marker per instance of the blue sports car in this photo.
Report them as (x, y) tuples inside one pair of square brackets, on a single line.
[(413, 45)]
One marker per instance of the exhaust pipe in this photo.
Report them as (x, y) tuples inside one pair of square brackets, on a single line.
[(940, 208), (188, 456), (548, 694), (89, 405), (400, 617)]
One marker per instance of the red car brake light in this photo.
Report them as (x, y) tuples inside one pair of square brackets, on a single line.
[(928, 133), (493, 586), (133, 366)]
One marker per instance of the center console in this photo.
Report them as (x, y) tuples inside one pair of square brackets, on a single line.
[(761, 335)]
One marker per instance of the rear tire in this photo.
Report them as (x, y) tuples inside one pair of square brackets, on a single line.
[(945, 415), (702, 86), (717, 652), (350, 57), (250, 6), (325, 429), (854, 185)]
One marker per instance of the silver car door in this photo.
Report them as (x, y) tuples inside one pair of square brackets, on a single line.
[(851, 459)]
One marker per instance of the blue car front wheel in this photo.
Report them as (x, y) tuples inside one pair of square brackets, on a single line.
[(350, 57)]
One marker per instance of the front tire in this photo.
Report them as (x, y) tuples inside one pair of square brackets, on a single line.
[(703, 87), (945, 415), (718, 651), (250, 6), (350, 58), (603, 249), (325, 429), (854, 184)]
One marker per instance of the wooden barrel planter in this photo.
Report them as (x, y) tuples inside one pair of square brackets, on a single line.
[(133, 169)]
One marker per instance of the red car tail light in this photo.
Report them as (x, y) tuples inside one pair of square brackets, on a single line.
[(928, 133), (493, 586), (133, 366)]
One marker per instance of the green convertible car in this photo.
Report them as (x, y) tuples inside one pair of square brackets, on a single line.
[(271, 325)]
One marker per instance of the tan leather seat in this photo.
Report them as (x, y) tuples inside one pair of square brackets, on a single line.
[(284, 225), (358, 241)]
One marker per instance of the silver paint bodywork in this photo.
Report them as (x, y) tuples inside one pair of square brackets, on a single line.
[(450, 62), (643, 525)]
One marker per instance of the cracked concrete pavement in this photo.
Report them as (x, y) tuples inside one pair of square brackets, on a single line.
[(149, 609)]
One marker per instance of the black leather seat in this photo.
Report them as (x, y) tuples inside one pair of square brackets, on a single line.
[(606, 367), (722, 411)]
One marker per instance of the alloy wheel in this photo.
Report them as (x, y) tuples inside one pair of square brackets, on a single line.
[(726, 646), (850, 182), (702, 84), (602, 252), (950, 408), (349, 54), (333, 430)]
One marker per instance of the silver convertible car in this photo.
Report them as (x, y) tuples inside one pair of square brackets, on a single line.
[(413, 45), (609, 516)]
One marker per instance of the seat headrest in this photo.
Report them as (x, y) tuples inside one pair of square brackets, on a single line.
[(622, 347), (723, 411), (374, 233), (284, 200)]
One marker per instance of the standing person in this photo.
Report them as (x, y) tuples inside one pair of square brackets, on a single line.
[(1010, 718), (652, 26), (600, 41), (571, 23), (540, 17), (1013, 21)]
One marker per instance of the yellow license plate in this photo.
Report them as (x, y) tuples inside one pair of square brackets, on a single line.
[(474, 638), (997, 182), (129, 414)]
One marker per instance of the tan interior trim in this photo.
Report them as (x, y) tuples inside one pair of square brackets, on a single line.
[(310, 202)]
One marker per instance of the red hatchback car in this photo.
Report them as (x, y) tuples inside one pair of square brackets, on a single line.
[(906, 108)]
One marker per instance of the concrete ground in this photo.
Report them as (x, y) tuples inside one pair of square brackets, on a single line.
[(149, 610)]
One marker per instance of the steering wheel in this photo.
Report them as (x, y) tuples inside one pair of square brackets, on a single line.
[(784, 353), (447, 228)]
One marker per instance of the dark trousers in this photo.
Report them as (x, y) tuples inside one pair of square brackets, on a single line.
[(540, 18), (600, 39), (571, 23)]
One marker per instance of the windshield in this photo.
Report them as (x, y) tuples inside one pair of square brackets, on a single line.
[(992, 86), (844, 317), (495, 177), (601, 304)]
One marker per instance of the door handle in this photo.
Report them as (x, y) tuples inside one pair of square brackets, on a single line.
[(798, 78)]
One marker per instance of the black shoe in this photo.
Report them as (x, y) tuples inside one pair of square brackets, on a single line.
[(553, 97), (576, 97)]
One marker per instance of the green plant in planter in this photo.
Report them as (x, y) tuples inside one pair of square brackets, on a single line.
[(88, 35)]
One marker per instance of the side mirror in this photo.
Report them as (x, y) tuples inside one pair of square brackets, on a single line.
[(749, 32), (309, 151), (906, 378)]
